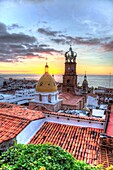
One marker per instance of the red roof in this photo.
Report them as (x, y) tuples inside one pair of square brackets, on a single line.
[(10, 127), (106, 150), (82, 142), (14, 118), (70, 99), (20, 112), (110, 123)]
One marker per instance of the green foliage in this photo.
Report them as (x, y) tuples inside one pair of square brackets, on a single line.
[(34, 157)]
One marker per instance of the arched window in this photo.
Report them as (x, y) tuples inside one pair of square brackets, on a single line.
[(68, 82), (49, 98)]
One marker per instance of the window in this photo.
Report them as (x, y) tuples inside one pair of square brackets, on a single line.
[(40, 97), (49, 98)]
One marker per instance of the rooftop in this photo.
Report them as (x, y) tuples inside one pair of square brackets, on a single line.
[(70, 99), (11, 126), (110, 123), (81, 142), (13, 119), (20, 112), (106, 150)]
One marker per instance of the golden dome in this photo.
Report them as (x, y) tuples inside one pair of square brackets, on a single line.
[(46, 84)]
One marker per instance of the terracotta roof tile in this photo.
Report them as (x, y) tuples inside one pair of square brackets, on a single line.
[(82, 142), (14, 118), (20, 112), (106, 150), (70, 99), (11, 126), (110, 123)]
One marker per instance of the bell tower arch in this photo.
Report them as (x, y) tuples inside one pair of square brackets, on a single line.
[(70, 76)]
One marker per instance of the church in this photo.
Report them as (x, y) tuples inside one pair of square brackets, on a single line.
[(47, 96)]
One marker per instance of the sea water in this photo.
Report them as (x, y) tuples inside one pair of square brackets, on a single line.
[(93, 80)]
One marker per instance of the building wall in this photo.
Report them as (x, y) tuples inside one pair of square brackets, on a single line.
[(25, 135), (92, 101), (50, 107), (75, 121)]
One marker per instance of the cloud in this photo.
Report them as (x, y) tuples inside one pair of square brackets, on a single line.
[(16, 38), (108, 46), (16, 47), (77, 40), (13, 26), (105, 43), (48, 32), (43, 45), (59, 40)]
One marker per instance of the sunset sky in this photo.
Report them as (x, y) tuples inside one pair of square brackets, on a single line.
[(31, 30)]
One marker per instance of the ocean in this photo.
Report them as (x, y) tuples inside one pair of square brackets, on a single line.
[(93, 80)]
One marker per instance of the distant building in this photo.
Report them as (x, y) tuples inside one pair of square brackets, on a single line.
[(92, 101), (105, 94)]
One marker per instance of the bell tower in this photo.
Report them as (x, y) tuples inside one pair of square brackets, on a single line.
[(70, 76)]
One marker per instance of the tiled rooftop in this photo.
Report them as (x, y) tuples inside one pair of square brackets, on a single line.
[(82, 142), (106, 151), (18, 111), (10, 127), (70, 99), (14, 118), (110, 123)]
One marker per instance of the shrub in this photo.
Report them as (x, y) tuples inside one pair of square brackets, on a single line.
[(38, 157)]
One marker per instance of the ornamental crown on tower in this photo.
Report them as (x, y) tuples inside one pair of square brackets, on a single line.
[(70, 55)]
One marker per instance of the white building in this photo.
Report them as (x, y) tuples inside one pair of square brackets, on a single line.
[(92, 101)]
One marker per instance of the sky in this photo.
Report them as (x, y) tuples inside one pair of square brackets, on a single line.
[(33, 30)]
